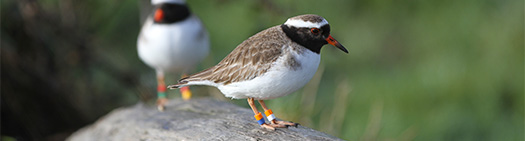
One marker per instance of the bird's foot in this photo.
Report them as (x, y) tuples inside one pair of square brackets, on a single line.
[(284, 123), (161, 103), (272, 126)]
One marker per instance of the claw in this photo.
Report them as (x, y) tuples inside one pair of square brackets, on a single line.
[(279, 125), (284, 123)]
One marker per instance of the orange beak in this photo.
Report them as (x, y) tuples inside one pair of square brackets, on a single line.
[(334, 42)]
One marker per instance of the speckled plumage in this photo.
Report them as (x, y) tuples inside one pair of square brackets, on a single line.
[(251, 58)]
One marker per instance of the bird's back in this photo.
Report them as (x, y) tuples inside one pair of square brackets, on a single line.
[(250, 59)]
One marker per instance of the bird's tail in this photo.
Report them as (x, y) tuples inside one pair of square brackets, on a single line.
[(182, 82), (195, 79)]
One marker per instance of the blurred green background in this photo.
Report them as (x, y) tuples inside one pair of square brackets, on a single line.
[(417, 70)]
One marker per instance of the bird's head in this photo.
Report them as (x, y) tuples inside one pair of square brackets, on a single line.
[(310, 31), (170, 11)]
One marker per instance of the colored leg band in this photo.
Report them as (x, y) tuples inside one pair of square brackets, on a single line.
[(161, 91), (161, 88), (269, 114), (186, 93), (259, 118), (161, 94), (261, 121)]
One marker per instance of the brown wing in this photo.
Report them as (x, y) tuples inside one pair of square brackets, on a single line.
[(250, 59)]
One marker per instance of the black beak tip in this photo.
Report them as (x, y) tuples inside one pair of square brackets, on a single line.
[(342, 48)]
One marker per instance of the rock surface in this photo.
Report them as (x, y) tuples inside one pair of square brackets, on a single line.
[(197, 119)]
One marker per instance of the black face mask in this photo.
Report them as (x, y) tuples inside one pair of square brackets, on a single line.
[(170, 13)]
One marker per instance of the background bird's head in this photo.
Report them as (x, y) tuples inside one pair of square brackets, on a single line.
[(170, 11)]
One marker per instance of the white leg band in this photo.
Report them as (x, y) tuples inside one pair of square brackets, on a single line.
[(271, 117)]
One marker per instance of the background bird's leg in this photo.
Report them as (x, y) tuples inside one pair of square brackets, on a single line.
[(185, 91), (161, 91), (271, 117), (258, 116)]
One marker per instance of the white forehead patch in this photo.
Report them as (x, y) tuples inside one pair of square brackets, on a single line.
[(155, 2), (300, 23)]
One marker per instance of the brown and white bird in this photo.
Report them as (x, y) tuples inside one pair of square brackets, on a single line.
[(172, 39), (272, 63)]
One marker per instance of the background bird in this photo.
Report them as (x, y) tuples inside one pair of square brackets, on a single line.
[(172, 40), (272, 63)]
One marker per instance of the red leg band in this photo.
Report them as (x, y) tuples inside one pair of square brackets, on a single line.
[(161, 88)]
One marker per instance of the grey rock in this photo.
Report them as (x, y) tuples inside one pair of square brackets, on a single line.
[(197, 119)]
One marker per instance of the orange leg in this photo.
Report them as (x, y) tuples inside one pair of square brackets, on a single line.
[(273, 120), (258, 116), (161, 91)]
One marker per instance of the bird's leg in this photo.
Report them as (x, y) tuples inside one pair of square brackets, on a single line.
[(273, 120), (258, 116), (185, 91), (161, 91)]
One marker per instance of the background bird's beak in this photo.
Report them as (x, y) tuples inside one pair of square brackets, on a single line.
[(334, 42)]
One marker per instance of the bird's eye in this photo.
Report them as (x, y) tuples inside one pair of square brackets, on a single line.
[(315, 31)]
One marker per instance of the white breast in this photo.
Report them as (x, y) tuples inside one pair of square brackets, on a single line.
[(279, 80), (173, 47)]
